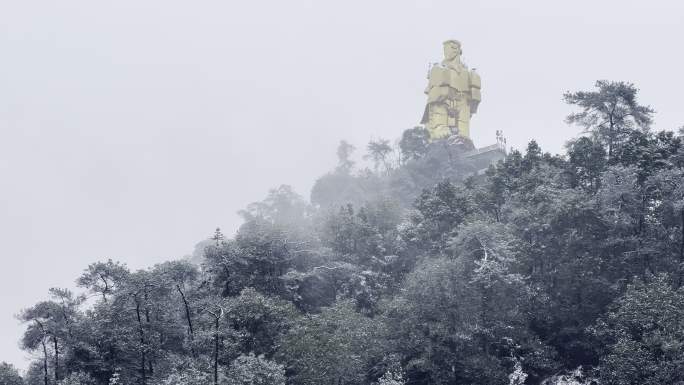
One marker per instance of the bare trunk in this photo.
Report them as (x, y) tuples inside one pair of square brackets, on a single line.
[(45, 362), (54, 340), (106, 288), (486, 296), (611, 131), (216, 349), (189, 320), (142, 345), (610, 145), (640, 229), (227, 286), (147, 320), (681, 252)]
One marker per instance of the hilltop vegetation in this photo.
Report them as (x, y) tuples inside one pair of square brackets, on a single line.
[(558, 268)]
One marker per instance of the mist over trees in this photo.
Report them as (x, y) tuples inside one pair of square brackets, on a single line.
[(554, 269)]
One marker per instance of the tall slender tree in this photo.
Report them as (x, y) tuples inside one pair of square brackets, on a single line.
[(609, 113)]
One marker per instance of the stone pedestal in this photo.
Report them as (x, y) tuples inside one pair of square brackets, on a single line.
[(482, 158)]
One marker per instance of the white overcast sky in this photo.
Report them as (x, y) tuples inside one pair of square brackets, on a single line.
[(130, 129)]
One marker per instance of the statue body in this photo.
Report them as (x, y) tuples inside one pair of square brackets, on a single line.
[(453, 93)]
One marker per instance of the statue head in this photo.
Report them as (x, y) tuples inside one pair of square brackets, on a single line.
[(452, 50)]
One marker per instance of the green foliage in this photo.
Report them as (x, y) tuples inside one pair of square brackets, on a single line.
[(78, 378), (438, 212), (9, 375), (251, 370), (282, 207), (187, 371), (587, 161), (344, 153), (340, 188), (335, 346), (400, 173), (414, 143), (546, 269), (380, 152), (363, 235), (103, 277), (259, 320), (610, 114), (643, 335)]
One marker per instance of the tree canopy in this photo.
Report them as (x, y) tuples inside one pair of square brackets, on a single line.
[(552, 269)]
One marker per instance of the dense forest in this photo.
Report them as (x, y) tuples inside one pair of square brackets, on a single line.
[(553, 269)]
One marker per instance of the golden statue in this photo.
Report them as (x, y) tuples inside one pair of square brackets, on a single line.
[(453, 95)]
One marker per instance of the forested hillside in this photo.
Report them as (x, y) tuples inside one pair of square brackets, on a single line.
[(566, 269)]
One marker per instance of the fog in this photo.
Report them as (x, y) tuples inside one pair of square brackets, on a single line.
[(130, 130)]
